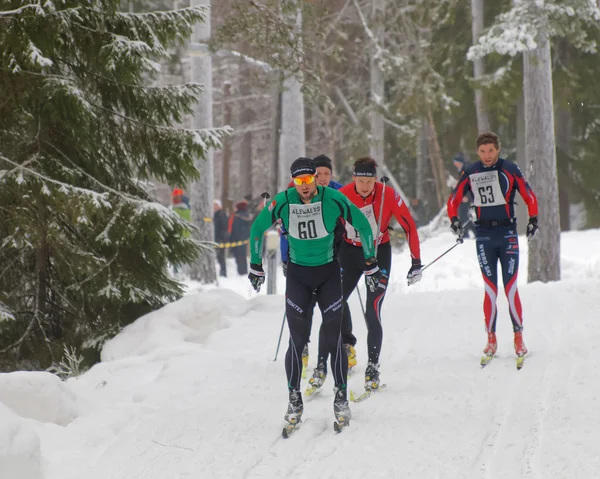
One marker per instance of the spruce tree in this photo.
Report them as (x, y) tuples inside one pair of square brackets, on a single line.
[(84, 250)]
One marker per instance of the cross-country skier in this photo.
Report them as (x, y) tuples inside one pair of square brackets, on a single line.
[(367, 194), (493, 182), (324, 169), (309, 214)]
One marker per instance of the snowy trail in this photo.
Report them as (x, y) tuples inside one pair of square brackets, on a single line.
[(217, 411), (192, 391)]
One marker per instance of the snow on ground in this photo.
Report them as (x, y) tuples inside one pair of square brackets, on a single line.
[(192, 391)]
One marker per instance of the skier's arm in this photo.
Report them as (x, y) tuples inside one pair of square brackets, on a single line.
[(403, 216), (462, 188), (526, 192), (262, 223)]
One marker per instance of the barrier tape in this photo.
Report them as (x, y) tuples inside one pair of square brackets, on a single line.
[(231, 245)]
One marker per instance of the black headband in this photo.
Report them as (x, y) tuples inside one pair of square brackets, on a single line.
[(365, 169)]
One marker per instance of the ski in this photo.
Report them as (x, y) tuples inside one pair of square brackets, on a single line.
[(520, 362), (311, 391), (303, 372), (339, 426), (366, 395), (486, 359), (289, 429)]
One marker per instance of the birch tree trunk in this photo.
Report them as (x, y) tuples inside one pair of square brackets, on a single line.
[(544, 251), (202, 191), (483, 120), (377, 145), (292, 141)]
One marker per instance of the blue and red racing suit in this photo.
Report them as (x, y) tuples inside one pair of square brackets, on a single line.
[(494, 191)]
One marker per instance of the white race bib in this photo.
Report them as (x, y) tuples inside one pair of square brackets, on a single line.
[(369, 213), (486, 189), (306, 221)]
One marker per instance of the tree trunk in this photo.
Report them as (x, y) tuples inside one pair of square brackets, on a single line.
[(483, 120), (437, 163), (521, 160), (422, 155), (202, 191), (377, 144), (544, 251), (292, 142)]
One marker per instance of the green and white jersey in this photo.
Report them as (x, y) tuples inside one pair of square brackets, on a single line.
[(310, 226)]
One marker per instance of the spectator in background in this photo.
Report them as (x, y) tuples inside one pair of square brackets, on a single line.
[(221, 234), (240, 231), (181, 205), (463, 209)]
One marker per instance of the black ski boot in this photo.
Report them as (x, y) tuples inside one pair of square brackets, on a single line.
[(341, 409)]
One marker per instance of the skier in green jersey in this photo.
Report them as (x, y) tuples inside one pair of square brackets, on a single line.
[(309, 214)]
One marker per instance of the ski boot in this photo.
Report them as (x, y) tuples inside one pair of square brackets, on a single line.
[(293, 416), (295, 407), (520, 347), (351, 353), (304, 360), (341, 409), (372, 377), (489, 350), (491, 346), (317, 380)]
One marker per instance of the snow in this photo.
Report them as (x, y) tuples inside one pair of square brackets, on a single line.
[(39, 395), (192, 391), (20, 456)]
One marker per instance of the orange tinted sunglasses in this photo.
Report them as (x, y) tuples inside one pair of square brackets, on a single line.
[(306, 180)]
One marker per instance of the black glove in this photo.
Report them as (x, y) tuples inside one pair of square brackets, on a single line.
[(256, 276), (414, 273), (457, 228), (284, 267), (374, 277), (532, 228)]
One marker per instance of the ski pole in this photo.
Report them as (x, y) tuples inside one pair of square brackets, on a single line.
[(280, 334), (458, 241), (361, 302), (384, 180)]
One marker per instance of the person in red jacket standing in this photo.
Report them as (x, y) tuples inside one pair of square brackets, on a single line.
[(366, 193)]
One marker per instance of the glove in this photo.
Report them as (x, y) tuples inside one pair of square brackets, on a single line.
[(532, 228), (457, 228), (256, 276), (284, 267), (374, 277), (414, 273)]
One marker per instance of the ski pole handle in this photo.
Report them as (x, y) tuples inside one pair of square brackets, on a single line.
[(265, 196)]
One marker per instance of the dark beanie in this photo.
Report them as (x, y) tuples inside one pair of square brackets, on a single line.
[(459, 158), (322, 160), (302, 166)]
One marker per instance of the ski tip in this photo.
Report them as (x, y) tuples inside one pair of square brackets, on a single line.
[(352, 396), (284, 433)]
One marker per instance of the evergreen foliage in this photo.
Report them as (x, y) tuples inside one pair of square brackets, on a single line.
[(84, 250)]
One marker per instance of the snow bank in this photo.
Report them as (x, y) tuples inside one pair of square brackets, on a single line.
[(40, 396), (20, 456), (190, 320)]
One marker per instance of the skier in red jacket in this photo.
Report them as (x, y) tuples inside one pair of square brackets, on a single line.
[(366, 193)]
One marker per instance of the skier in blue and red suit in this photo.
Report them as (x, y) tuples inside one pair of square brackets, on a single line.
[(494, 182)]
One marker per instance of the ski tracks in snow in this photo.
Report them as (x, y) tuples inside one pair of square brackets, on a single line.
[(511, 448)]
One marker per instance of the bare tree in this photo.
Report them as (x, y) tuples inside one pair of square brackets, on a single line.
[(377, 145), (483, 120), (202, 191), (544, 252), (292, 141)]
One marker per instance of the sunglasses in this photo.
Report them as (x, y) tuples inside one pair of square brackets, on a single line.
[(304, 180)]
